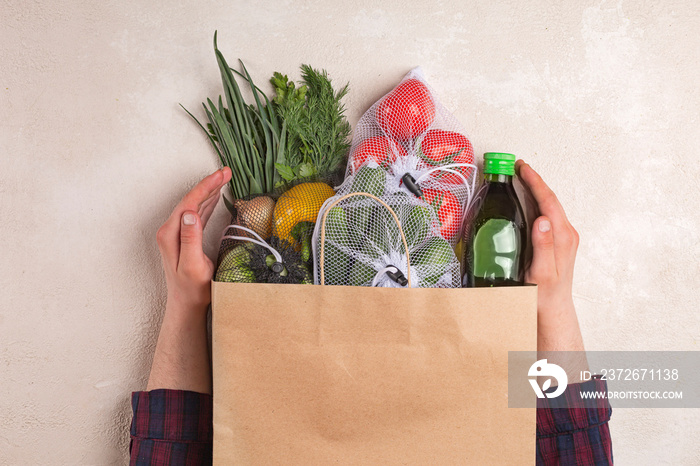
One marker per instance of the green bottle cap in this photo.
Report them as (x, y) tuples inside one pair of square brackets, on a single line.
[(499, 163)]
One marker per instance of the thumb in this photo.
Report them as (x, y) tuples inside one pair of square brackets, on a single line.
[(543, 265), (190, 239)]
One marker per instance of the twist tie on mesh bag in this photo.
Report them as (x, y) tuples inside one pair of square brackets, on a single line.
[(411, 185), (396, 275), (449, 168), (393, 273), (277, 266)]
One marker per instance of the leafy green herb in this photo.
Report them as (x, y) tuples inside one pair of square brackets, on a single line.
[(302, 133), (301, 171), (317, 130)]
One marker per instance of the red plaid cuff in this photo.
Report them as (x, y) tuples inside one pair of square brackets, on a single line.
[(570, 431), (171, 427)]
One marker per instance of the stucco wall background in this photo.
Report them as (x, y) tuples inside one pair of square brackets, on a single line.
[(600, 96)]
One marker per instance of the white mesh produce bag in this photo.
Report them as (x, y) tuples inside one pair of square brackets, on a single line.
[(422, 148), (363, 240)]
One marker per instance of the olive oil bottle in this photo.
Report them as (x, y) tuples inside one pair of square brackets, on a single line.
[(495, 242)]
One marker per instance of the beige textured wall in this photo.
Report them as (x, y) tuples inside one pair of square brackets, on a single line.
[(600, 96)]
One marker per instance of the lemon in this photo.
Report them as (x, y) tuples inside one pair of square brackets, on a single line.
[(299, 204)]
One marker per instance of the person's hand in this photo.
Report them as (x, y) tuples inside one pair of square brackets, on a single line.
[(181, 359), (554, 243), (188, 271)]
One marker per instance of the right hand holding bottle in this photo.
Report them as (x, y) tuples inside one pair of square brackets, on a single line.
[(554, 243)]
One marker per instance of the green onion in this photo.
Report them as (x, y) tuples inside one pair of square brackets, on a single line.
[(249, 139)]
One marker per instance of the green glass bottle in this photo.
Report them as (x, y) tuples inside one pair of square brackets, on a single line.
[(495, 243)]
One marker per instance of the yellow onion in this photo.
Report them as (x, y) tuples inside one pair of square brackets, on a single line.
[(255, 214)]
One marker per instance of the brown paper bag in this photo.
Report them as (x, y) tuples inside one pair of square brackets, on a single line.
[(307, 375)]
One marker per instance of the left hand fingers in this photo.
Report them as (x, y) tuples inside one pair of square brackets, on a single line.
[(169, 233), (205, 189), (207, 209)]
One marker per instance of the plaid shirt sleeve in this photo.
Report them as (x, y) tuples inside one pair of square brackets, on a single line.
[(576, 434), (171, 427)]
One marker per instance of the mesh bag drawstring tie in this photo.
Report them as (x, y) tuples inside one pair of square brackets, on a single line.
[(259, 241)]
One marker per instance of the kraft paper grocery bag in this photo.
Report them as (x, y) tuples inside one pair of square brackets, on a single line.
[(316, 375)]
